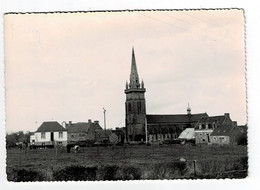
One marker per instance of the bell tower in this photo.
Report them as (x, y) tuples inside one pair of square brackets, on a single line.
[(135, 109)]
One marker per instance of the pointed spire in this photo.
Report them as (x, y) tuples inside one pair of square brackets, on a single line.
[(188, 109), (134, 78), (126, 85), (142, 84)]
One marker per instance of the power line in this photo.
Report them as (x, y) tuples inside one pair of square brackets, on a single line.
[(185, 29)]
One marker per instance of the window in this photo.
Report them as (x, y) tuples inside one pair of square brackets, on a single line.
[(138, 107), (129, 106), (203, 126), (208, 137), (43, 135), (60, 134), (209, 126)]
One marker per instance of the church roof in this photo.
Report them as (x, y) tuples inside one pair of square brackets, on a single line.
[(50, 126), (180, 118)]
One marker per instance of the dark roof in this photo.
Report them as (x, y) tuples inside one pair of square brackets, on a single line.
[(79, 127), (103, 133), (180, 118), (218, 119), (50, 126), (222, 130), (97, 126)]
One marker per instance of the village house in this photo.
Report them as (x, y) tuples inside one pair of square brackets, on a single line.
[(49, 133), (120, 133), (102, 136), (228, 134), (82, 132), (206, 125)]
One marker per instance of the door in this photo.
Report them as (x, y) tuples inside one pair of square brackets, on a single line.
[(52, 136)]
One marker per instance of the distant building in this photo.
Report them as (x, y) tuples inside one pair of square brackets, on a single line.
[(49, 133), (206, 125), (82, 132)]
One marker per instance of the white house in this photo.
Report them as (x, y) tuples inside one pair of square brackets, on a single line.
[(49, 133)]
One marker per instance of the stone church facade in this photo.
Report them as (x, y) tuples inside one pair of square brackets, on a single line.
[(158, 127)]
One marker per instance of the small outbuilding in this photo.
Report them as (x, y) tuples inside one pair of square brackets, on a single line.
[(187, 135)]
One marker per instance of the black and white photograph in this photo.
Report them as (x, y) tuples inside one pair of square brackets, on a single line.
[(125, 95)]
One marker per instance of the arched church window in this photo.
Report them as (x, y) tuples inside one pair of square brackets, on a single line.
[(129, 106)]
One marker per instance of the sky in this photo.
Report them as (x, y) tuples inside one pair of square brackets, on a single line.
[(69, 66)]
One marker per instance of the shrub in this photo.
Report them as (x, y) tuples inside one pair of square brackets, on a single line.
[(131, 173), (75, 173), (109, 172), (23, 175)]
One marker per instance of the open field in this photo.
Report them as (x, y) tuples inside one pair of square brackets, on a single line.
[(199, 160)]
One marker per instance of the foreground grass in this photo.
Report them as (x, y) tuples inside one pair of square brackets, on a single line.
[(145, 162)]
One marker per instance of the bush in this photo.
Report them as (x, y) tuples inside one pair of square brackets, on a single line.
[(23, 175), (131, 173), (75, 173), (109, 172)]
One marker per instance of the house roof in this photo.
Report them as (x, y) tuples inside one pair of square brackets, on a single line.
[(218, 119), (188, 134), (79, 127), (180, 118), (50, 126), (97, 126), (222, 130), (103, 133)]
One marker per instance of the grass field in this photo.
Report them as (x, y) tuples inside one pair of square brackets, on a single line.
[(208, 160)]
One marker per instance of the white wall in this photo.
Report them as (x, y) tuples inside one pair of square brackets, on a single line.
[(48, 136)]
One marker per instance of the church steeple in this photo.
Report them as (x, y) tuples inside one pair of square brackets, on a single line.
[(134, 78), (135, 109), (188, 109)]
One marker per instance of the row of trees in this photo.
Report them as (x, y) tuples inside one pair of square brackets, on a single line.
[(14, 139)]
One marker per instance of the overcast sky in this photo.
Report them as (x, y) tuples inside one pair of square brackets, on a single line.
[(67, 67)]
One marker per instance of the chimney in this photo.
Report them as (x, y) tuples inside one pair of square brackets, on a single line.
[(234, 123), (89, 121), (226, 115), (64, 124), (70, 123), (96, 122)]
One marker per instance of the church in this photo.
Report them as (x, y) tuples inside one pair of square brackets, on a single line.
[(141, 126)]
